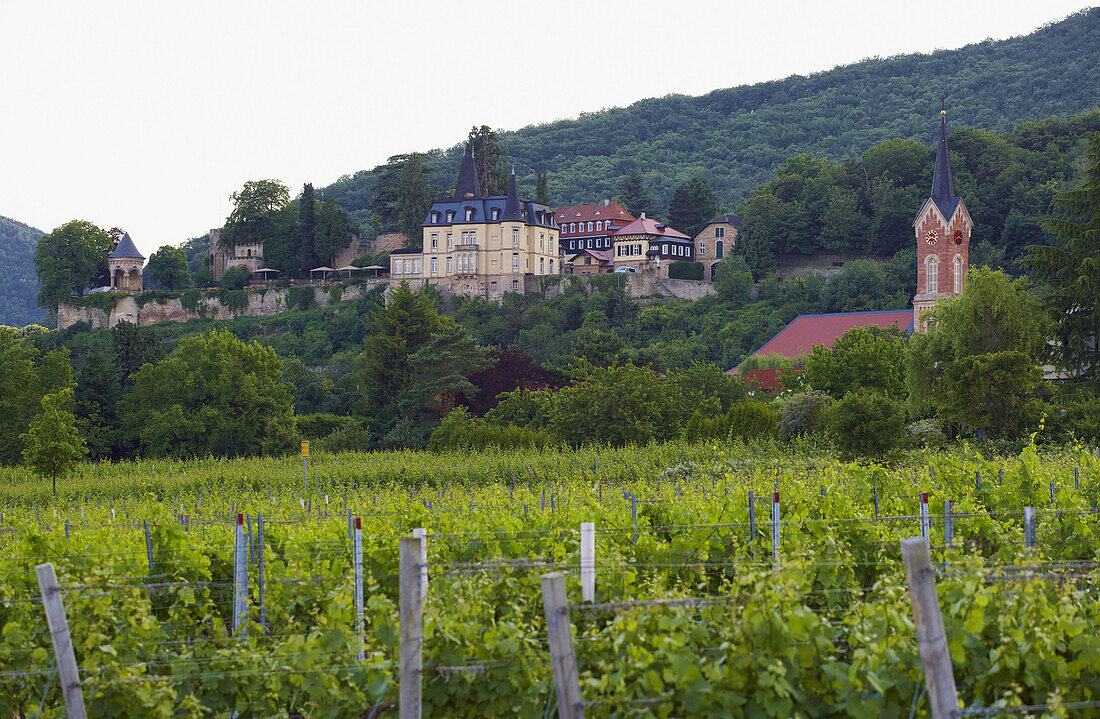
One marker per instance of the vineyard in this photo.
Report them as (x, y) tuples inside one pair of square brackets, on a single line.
[(205, 588)]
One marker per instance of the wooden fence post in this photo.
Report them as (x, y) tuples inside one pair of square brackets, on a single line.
[(588, 561), (931, 639), (559, 634), (412, 637), (62, 642)]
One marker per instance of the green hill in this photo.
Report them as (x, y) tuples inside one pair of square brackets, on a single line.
[(736, 137), (18, 283)]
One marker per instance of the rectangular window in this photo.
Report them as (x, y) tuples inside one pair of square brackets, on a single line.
[(435, 265), (515, 260), (542, 240), (450, 240), (515, 236), (417, 267), (542, 267), (702, 248), (435, 241), (448, 265), (493, 286), (719, 231), (515, 284)]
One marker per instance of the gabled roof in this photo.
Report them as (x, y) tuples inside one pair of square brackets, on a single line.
[(805, 331), (647, 226), (584, 213), (600, 255), (126, 249), (727, 219)]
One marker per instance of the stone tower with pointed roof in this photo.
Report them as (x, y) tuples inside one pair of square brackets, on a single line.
[(124, 265), (942, 228)]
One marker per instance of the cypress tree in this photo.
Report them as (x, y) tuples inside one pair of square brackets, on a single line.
[(307, 222)]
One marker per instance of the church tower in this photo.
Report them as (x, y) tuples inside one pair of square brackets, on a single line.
[(943, 238)]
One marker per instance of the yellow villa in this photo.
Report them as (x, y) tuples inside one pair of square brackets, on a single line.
[(482, 245)]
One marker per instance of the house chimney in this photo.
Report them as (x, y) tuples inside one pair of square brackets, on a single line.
[(606, 203), (643, 216)]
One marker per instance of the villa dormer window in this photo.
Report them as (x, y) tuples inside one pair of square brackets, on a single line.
[(435, 218), (496, 214), (450, 215), (469, 214)]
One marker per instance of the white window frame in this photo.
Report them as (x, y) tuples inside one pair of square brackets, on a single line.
[(958, 274), (435, 265), (435, 240), (515, 260), (932, 274)]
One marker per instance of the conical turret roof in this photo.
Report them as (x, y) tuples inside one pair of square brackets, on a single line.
[(512, 209), (467, 178), (126, 249)]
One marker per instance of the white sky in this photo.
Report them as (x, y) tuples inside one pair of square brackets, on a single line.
[(146, 115)]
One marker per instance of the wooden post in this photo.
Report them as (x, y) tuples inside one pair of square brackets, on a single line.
[(422, 534), (412, 638), (62, 642), (559, 634), (931, 639), (588, 561)]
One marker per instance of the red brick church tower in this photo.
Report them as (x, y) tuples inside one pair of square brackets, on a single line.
[(943, 238)]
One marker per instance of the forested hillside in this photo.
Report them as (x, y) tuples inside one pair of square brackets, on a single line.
[(18, 283), (736, 137)]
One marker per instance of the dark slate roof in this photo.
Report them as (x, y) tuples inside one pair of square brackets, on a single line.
[(483, 211), (467, 178), (406, 251), (943, 186), (126, 249), (512, 210), (728, 219)]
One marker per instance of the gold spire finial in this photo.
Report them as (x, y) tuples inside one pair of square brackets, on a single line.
[(943, 112)]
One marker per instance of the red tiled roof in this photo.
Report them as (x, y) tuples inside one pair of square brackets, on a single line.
[(805, 331), (584, 213), (647, 226), (765, 379)]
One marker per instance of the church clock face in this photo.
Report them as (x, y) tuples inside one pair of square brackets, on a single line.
[(930, 238), (958, 237)]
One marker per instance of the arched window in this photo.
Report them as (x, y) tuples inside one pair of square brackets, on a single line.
[(932, 274), (958, 275), (589, 226)]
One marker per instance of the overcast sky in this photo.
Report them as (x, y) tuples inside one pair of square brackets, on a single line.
[(146, 115)]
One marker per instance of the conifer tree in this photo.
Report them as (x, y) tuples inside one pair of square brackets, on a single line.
[(1070, 271), (634, 196), (307, 222)]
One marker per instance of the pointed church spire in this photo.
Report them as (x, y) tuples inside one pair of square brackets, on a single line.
[(512, 211), (943, 187), (467, 178)]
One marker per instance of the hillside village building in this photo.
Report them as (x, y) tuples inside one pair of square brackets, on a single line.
[(715, 241), (586, 236), (647, 244), (248, 256), (482, 245)]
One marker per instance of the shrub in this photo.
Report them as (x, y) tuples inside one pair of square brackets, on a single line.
[(685, 271), (320, 425), (752, 419), (300, 297), (460, 430), (802, 414), (352, 437), (234, 278), (865, 424), (927, 432)]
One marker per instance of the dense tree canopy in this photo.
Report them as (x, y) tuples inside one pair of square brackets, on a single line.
[(214, 396), (69, 259), (167, 268)]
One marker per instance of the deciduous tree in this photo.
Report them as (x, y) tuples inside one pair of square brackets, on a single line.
[(68, 260), (51, 445), (167, 267)]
